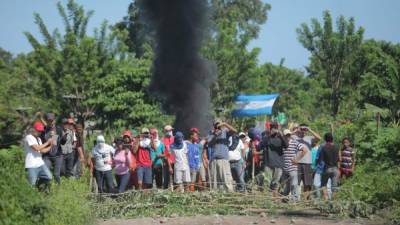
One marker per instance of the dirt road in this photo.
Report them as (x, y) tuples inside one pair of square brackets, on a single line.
[(234, 220)]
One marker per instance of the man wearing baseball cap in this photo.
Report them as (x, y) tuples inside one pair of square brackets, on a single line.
[(33, 159), (305, 172), (167, 140), (67, 146), (143, 150), (220, 171), (53, 158)]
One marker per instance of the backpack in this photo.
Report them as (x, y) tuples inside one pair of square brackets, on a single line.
[(276, 146), (233, 142)]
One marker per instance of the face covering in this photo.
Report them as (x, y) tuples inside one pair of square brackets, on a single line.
[(145, 143), (127, 139), (168, 134), (101, 145), (195, 139), (178, 140)]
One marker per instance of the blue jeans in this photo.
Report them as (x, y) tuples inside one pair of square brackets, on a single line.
[(104, 177), (41, 172), (145, 175), (237, 171), (122, 181)]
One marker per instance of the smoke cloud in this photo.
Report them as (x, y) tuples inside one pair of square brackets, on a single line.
[(181, 77)]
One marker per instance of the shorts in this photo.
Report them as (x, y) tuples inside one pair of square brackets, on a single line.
[(144, 174), (333, 174), (346, 172), (203, 173), (305, 174), (182, 176), (193, 175)]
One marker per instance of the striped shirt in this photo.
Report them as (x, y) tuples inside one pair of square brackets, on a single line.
[(290, 153), (347, 159)]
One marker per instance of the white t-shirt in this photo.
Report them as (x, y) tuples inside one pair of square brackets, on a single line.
[(33, 159), (101, 155), (181, 158), (236, 154), (306, 141)]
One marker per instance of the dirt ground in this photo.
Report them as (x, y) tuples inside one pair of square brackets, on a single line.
[(235, 220)]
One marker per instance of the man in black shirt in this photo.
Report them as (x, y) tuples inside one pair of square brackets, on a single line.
[(330, 156), (53, 158), (272, 147)]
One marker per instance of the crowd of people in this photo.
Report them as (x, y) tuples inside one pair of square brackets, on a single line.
[(277, 159)]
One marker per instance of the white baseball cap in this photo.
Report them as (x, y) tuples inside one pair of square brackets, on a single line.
[(286, 132), (168, 128), (100, 139)]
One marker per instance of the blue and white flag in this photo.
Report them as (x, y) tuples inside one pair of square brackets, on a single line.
[(254, 105)]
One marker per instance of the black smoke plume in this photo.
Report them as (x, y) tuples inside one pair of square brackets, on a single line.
[(181, 77)]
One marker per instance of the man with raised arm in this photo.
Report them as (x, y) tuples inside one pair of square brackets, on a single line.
[(220, 170), (33, 155)]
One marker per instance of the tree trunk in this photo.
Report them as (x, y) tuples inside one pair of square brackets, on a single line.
[(335, 101)]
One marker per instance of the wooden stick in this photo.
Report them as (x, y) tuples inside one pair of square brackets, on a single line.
[(253, 168), (171, 182)]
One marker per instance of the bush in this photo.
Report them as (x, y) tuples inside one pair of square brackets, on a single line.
[(373, 185), (372, 189), (22, 204)]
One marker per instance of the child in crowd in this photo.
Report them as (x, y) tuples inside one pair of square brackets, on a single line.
[(347, 158), (194, 155)]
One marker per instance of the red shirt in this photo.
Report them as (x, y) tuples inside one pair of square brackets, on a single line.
[(167, 142), (143, 157)]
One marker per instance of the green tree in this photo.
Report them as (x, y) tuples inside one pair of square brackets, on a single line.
[(92, 76), (122, 98), (235, 24), (332, 53), (245, 15), (17, 99), (379, 83), (140, 33), (64, 66), (295, 99)]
